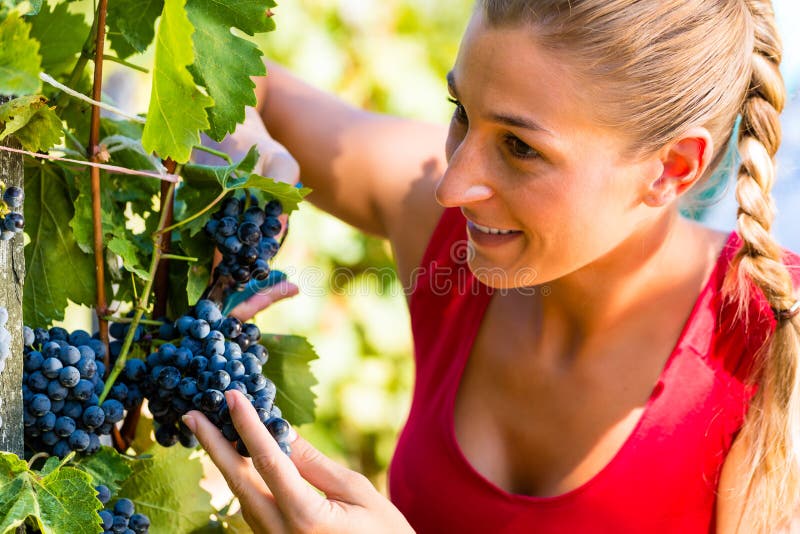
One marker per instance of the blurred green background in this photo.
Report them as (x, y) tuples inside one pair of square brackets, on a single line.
[(388, 56)]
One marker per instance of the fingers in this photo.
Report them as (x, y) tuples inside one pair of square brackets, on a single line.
[(298, 501), (264, 298), (279, 165), (244, 482), (335, 480)]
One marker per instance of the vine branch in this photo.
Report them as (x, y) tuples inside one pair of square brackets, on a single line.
[(101, 307), (141, 305)]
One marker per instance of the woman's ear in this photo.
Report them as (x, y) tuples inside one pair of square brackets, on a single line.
[(684, 161)]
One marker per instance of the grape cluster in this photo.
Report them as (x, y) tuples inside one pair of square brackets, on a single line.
[(122, 518), (12, 222), (61, 381), (246, 238), (215, 354)]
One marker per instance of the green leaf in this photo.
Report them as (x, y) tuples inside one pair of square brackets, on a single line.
[(128, 252), (26, 7), (32, 122), (199, 272), (63, 500), (56, 268), (166, 488), (226, 61), (61, 35), (15, 114), (131, 25), (288, 366), (107, 467), (177, 107), (126, 133), (20, 62), (289, 195)]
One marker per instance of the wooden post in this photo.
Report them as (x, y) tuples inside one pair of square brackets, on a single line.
[(12, 278)]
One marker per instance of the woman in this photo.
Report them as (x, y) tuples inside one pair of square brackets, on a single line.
[(590, 361)]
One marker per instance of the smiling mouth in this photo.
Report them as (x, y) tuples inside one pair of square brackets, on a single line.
[(489, 230)]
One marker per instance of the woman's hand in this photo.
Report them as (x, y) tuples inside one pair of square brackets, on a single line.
[(274, 489), (274, 161)]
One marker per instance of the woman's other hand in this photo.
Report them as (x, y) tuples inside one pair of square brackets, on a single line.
[(275, 490), (274, 161)]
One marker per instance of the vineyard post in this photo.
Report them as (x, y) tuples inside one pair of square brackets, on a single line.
[(12, 277)]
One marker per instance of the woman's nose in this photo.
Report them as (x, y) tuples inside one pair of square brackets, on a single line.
[(463, 181)]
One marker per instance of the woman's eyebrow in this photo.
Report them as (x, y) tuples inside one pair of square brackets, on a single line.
[(509, 120)]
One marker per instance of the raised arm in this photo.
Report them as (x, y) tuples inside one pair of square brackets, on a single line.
[(373, 171)]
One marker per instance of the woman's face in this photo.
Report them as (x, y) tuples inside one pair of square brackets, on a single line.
[(526, 154)]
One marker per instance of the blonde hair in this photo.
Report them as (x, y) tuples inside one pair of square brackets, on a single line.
[(683, 63)]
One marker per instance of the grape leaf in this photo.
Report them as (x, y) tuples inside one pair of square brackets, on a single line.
[(28, 7), (200, 271), (63, 500), (106, 466), (177, 107), (166, 488), (112, 217), (61, 35), (225, 61), (20, 61), (33, 123), (15, 114), (57, 269), (127, 251), (288, 366), (289, 195), (131, 25)]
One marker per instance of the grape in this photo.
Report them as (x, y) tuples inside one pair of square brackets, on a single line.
[(13, 222), (106, 517), (64, 426), (13, 196), (79, 440), (113, 410), (124, 508), (139, 523)]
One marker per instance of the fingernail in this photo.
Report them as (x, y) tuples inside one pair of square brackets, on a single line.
[(292, 434), (189, 421), (230, 398)]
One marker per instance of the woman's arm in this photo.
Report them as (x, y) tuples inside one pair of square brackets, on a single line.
[(375, 172)]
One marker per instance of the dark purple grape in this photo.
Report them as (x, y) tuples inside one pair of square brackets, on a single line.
[(273, 208), (271, 227)]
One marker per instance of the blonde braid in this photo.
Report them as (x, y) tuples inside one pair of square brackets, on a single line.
[(772, 427)]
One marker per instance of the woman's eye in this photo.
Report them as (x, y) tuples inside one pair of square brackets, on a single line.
[(519, 149), (459, 113)]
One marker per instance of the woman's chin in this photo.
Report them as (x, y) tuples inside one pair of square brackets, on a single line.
[(498, 277)]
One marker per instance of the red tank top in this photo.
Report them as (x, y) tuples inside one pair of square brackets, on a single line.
[(664, 477)]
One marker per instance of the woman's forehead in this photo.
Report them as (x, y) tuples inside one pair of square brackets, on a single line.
[(504, 69)]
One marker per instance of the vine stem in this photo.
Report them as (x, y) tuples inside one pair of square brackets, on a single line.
[(162, 273), (196, 215), (128, 320), (213, 152), (141, 305), (101, 307)]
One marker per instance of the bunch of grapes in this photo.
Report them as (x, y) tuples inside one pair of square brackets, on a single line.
[(215, 354), (246, 238), (61, 382), (122, 518), (12, 222)]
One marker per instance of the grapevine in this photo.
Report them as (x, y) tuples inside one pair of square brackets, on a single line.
[(135, 238)]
